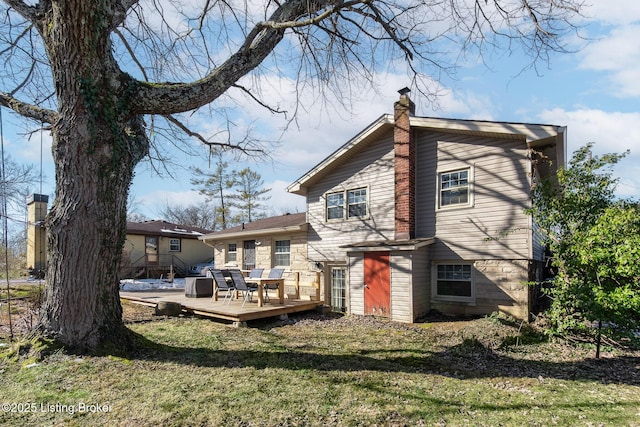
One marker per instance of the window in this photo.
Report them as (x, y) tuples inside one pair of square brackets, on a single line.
[(357, 200), (232, 252), (454, 282), (356, 204), (282, 253), (174, 245), (338, 289), (335, 206), (454, 188)]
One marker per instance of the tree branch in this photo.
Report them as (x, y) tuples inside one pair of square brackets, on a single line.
[(211, 144), (28, 110), (169, 98), (120, 14), (262, 104), (26, 11), (127, 46)]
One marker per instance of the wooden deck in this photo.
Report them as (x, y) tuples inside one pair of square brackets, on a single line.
[(220, 309)]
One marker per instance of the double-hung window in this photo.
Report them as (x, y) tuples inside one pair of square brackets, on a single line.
[(282, 253), (357, 200), (454, 188), (454, 282), (335, 206), (355, 206), (174, 245), (232, 252)]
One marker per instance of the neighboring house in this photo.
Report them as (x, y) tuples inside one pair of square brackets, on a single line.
[(154, 248), (279, 241), (420, 213)]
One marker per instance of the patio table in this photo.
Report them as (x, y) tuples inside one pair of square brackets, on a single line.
[(264, 280)]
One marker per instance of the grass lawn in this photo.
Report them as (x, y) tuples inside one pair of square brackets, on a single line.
[(327, 370)]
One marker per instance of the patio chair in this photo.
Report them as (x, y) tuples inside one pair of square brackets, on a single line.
[(242, 286), (222, 285), (275, 273), (255, 273)]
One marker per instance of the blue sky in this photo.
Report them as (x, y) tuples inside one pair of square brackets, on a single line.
[(595, 92)]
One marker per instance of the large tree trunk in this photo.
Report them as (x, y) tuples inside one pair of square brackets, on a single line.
[(97, 142)]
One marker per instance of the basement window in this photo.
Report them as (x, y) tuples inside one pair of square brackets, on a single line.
[(454, 282)]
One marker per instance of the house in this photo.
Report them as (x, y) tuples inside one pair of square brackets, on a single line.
[(279, 241), (415, 214), (154, 248)]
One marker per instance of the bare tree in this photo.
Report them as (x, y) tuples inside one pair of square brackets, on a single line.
[(104, 74), (201, 215), (16, 182)]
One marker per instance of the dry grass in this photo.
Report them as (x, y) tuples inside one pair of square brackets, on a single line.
[(329, 370)]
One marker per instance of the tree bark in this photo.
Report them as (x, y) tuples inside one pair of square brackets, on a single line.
[(97, 142)]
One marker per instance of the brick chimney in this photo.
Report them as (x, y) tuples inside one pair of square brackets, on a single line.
[(36, 233), (405, 168)]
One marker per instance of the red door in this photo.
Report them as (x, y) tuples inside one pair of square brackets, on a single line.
[(377, 280)]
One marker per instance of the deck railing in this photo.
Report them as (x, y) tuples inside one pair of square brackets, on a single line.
[(302, 285)]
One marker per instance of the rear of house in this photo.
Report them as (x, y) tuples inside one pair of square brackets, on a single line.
[(268, 243), (155, 248), (418, 213)]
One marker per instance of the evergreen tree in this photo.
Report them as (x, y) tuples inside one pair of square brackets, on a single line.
[(249, 195), (216, 186)]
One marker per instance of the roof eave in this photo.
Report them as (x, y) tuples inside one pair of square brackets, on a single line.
[(300, 185), (377, 246), (220, 236)]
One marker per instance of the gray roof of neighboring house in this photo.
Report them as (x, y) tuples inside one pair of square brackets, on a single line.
[(165, 228), (272, 225)]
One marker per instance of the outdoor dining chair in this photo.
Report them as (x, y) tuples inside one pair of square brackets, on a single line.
[(222, 285), (255, 273), (275, 273), (247, 289)]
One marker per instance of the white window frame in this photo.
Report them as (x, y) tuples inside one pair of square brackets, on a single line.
[(470, 192), (339, 289), (365, 202), (334, 206), (287, 253), (229, 252), (452, 298), (175, 243), (345, 207)]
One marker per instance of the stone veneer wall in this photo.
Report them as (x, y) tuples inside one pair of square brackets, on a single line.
[(501, 285)]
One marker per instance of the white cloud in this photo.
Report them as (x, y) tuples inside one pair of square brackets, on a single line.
[(615, 12), (612, 132), (617, 54), (282, 202)]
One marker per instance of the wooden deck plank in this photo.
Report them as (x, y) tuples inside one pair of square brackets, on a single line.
[(220, 309)]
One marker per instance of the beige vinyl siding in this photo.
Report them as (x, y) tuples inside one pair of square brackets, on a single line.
[(401, 292), (134, 246), (192, 251), (495, 226), (371, 169), (355, 288), (421, 270)]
